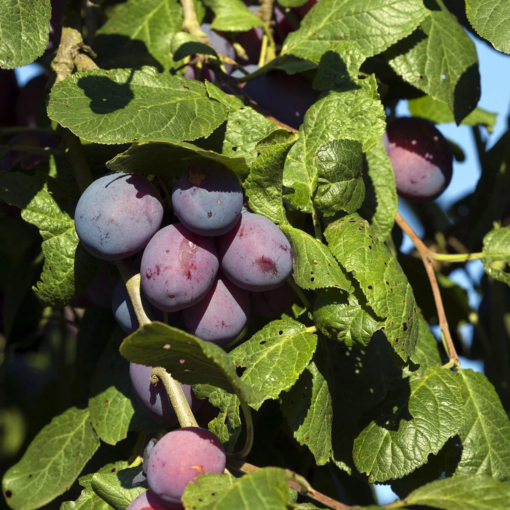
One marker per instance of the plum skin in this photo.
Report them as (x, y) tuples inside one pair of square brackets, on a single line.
[(178, 268), (179, 457), (149, 501), (221, 315), (153, 397), (208, 200), (117, 215), (421, 158), (255, 255)]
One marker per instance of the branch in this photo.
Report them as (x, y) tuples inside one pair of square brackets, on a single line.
[(296, 482), (190, 22), (427, 261)]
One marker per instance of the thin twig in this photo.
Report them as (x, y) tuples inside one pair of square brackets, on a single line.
[(32, 149), (14, 130), (427, 261), (296, 482), (300, 293), (249, 430), (457, 257)]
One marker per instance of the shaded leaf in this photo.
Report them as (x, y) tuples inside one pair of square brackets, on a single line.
[(496, 253), (275, 357), (232, 16), (117, 488), (52, 462), (120, 106), (314, 265), (423, 411), (24, 31), (354, 244), (206, 490)]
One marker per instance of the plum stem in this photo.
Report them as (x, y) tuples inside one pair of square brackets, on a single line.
[(177, 398), (172, 387), (300, 293), (317, 225), (249, 430), (457, 257), (190, 22), (31, 149), (427, 259), (295, 481)]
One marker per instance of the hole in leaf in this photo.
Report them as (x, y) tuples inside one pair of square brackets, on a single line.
[(8, 494)]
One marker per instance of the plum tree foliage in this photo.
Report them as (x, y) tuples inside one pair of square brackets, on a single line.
[(204, 301)]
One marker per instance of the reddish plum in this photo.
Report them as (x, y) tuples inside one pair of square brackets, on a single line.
[(149, 501), (272, 303), (178, 268), (255, 255), (179, 457), (421, 158)]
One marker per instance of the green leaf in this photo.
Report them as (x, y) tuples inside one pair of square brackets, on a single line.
[(24, 31), (111, 409), (353, 113), (232, 16), (120, 106), (308, 408), (185, 45), (52, 462), (292, 3), (187, 358), (485, 431), (275, 357), (264, 489), (68, 268), (441, 60), (426, 353), (344, 318), (205, 490), (423, 411), (339, 67), (170, 159), (231, 102), (88, 500), (357, 248), (245, 129), (373, 25), (116, 488), (314, 265), (139, 33), (340, 181), (264, 185), (438, 113), (496, 253), (491, 20), (227, 425), (381, 201), (463, 493)]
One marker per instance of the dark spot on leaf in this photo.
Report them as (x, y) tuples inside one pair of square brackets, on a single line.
[(405, 326), (8, 494), (263, 342), (280, 332)]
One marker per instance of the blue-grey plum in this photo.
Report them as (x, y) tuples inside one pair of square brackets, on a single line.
[(421, 158), (101, 288), (178, 268), (285, 97), (208, 199), (255, 255), (153, 397), (124, 312), (179, 457), (221, 315), (117, 215), (272, 303)]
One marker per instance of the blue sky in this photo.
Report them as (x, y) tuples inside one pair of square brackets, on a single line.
[(495, 73)]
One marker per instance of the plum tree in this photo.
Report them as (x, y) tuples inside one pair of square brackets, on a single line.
[(221, 315), (179, 457), (255, 255), (208, 200), (153, 397), (178, 268), (117, 215), (421, 158)]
